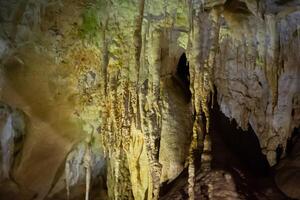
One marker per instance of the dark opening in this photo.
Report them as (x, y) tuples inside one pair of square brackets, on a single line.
[(293, 112), (237, 6), (242, 146), (182, 75), (183, 70), (237, 152), (282, 2), (279, 151), (292, 141)]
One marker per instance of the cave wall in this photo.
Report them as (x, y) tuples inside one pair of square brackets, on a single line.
[(258, 82), (104, 72)]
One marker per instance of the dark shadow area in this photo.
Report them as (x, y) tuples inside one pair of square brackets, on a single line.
[(292, 141), (282, 2), (182, 70), (279, 152), (239, 153), (243, 144), (237, 6), (179, 182), (182, 76)]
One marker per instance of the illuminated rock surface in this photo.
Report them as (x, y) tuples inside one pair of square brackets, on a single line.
[(114, 97)]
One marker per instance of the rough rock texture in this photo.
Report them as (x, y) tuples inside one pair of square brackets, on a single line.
[(13, 130), (288, 172), (258, 83), (211, 185), (83, 165), (105, 72), (35, 79)]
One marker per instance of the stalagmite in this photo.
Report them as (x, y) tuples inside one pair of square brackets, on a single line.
[(203, 54)]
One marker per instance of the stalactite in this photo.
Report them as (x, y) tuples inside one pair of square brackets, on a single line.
[(202, 61), (138, 34), (138, 40), (80, 164), (194, 76), (196, 142), (118, 103), (271, 57), (87, 164), (105, 57), (152, 111), (133, 94)]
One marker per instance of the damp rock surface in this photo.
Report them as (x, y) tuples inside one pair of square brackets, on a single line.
[(112, 75), (287, 175)]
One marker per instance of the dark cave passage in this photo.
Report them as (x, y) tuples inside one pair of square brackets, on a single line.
[(182, 70), (243, 144), (292, 141), (239, 153), (182, 75)]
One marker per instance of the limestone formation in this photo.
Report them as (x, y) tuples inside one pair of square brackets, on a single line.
[(100, 86)]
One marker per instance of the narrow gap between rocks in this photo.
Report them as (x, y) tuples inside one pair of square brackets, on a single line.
[(182, 76)]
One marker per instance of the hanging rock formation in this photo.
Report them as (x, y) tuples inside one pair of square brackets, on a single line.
[(106, 93)]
